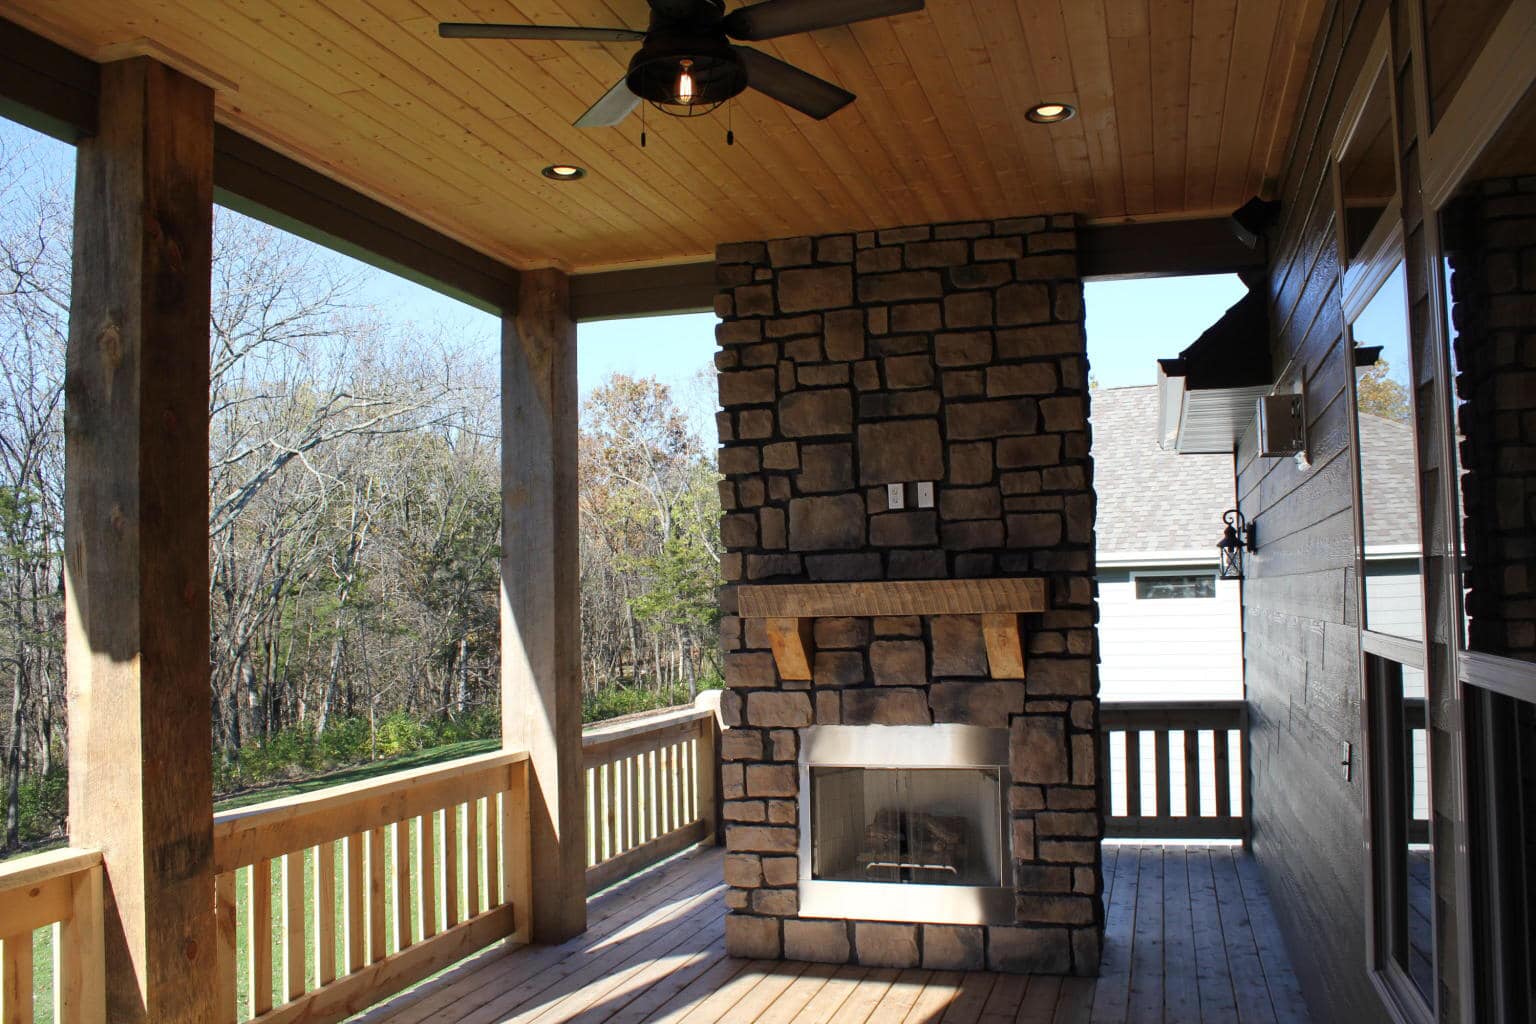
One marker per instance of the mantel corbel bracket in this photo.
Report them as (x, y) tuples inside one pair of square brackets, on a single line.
[(790, 611)]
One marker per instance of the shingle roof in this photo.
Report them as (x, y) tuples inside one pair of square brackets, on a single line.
[(1150, 499), (1391, 484)]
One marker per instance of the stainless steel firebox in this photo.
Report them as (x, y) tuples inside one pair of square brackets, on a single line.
[(905, 823)]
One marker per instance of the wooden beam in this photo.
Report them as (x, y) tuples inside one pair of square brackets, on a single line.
[(136, 536), (540, 610), (264, 184), (1164, 249), (46, 87), (55, 91), (894, 597), (793, 647), (1005, 645), (649, 291)]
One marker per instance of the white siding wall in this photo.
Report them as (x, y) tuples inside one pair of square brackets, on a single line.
[(1180, 649)]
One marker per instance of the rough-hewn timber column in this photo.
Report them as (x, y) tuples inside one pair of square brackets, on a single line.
[(136, 534), (540, 612)]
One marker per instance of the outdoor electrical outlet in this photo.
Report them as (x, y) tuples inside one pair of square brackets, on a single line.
[(895, 496), (925, 494)]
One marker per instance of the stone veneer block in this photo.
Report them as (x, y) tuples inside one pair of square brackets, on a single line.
[(952, 354), (823, 942), (755, 938), (885, 945), (950, 947), (1029, 950)]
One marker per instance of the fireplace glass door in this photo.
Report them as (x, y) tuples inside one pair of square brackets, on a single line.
[(923, 826)]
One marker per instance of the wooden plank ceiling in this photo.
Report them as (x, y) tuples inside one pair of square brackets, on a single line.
[(1185, 108)]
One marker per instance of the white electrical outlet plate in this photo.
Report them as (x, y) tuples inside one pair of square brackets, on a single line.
[(925, 494), (895, 496)]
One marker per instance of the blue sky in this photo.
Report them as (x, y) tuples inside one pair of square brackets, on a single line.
[(1131, 324)]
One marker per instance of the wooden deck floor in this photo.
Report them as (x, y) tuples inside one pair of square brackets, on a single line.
[(1191, 937)]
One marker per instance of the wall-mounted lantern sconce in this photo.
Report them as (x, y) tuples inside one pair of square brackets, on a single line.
[(1235, 539)]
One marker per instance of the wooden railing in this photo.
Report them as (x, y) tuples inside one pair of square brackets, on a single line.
[(328, 902), (650, 788), (1176, 770), (60, 891)]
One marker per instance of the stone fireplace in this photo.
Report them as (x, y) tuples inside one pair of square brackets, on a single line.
[(911, 771)]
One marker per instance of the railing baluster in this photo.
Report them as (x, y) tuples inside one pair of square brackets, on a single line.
[(259, 937), (16, 977), (652, 794), (451, 866), (630, 805), (664, 757), (354, 884), (1133, 807), (224, 911), (376, 895), (690, 815), (1160, 765), (1223, 775), (325, 914), (402, 884), (428, 865), (589, 797), (472, 858), (292, 934), (491, 855), (602, 824), (1191, 773)]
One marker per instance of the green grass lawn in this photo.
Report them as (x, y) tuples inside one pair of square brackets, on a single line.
[(42, 945)]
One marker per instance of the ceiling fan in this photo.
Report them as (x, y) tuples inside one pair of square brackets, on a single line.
[(687, 64)]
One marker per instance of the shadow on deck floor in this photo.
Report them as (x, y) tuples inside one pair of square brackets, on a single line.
[(1190, 937)]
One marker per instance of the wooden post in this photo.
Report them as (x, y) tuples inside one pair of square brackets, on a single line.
[(540, 613), (136, 537)]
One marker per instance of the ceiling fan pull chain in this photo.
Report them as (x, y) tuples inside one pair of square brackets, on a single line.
[(730, 120), (642, 126)]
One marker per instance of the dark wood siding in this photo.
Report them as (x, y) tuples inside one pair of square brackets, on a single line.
[(1300, 603)]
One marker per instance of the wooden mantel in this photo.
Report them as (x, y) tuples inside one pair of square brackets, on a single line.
[(791, 608)]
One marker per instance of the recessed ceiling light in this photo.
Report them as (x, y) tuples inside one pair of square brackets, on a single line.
[(1049, 113), (564, 172)]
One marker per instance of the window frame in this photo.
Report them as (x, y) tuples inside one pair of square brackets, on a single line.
[(1363, 274), (1210, 574)]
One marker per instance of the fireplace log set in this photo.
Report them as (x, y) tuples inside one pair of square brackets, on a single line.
[(898, 844)]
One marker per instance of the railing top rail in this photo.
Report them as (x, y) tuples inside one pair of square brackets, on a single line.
[(37, 868), (629, 727), (1194, 714), (245, 834), (1172, 705)]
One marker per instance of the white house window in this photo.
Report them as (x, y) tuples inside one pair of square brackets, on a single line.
[(1176, 587)]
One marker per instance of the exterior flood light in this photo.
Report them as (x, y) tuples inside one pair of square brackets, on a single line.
[(1237, 538)]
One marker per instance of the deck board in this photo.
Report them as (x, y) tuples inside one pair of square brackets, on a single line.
[(1191, 937)]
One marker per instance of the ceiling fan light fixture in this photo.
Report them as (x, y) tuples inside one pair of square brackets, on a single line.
[(564, 172), (1050, 113), (686, 76)]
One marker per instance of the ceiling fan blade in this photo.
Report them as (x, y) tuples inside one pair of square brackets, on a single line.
[(676, 10), (617, 104), (815, 97), (565, 33), (774, 18)]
